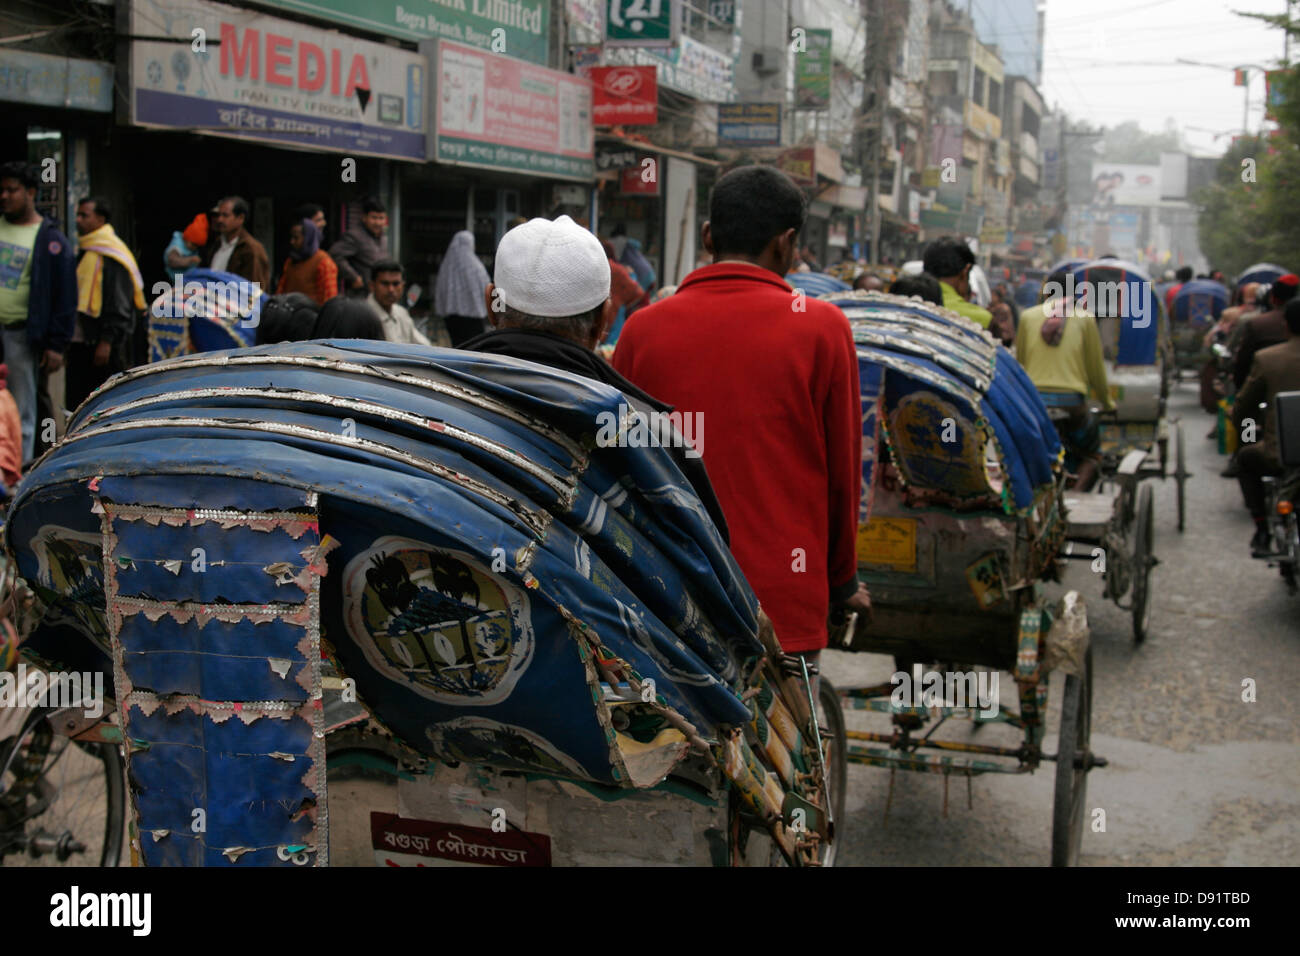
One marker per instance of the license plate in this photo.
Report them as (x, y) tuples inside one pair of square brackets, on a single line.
[(890, 542), (401, 841)]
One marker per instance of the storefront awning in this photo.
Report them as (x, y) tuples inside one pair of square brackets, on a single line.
[(852, 198), (648, 147)]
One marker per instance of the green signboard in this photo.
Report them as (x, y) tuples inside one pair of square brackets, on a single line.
[(517, 28), (812, 70), (641, 22)]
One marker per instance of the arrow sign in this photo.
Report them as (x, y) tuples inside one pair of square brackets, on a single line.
[(363, 96)]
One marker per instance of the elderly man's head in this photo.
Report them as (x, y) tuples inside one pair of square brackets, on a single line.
[(552, 276)]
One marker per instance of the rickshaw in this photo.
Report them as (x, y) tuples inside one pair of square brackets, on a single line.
[(817, 283), (537, 648), (1264, 273), (1197, 305), (961, 522), (1114, 522)]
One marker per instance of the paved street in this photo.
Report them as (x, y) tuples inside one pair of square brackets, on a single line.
[(1196, 776)]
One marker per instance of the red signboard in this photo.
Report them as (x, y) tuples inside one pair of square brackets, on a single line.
[(642, 179), (399, 841), (624, 96)]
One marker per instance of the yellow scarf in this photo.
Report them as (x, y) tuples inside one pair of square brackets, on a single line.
[(96, 245)]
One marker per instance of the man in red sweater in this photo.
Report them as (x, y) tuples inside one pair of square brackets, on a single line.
[(775, 376)]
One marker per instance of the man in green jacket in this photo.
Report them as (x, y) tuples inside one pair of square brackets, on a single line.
[(950, 260)]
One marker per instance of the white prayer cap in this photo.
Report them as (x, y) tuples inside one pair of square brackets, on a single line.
[(551, 268)]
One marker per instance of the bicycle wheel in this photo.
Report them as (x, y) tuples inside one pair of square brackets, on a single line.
[(62, 802), (835, 746)]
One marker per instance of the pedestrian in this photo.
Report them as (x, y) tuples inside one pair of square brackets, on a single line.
[(560, 323), (869, 282), (344, 318), (1262, 329), (316, 213), (38, 292), (1272, 370), (635, 260), (364, 244), (783, 412), (950, 261), (458, 290), (110, 301), (625, 291), (11, 436), (384, 301), (308, 269), (236, 250), (185, 251), (922, 285)]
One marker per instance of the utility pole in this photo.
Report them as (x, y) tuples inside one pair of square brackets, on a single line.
[(876, 59)]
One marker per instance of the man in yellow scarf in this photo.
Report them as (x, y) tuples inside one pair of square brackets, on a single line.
[(110, 295)]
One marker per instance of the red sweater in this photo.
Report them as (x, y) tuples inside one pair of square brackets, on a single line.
[(778, 392)]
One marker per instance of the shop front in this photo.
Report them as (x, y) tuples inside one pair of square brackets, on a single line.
[(509, 140)]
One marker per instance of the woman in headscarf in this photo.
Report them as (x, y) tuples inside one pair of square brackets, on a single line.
[(308, 269), (458, 292), (633, 258)]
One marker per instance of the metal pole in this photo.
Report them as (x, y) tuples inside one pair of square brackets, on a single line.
[(878, 150)]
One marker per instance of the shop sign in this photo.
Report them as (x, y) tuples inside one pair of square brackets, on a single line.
[(641, 180), (569, 194), (749, 124), (44, 80), (625, 95), (692, 68), (615, 159), (518, 28), (800, 165), (500, 113), (641, 22), (724, 11), (586, 20), (271, 80), (812, 71)]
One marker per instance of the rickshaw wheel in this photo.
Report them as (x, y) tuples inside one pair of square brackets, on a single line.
[(835, 744), (1142, 564), (1072, 758), (1180, 477)]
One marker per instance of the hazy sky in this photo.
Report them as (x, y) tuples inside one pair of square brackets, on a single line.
[(1108, 61)]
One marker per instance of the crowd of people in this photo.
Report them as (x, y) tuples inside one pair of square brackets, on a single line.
[(563, 296)]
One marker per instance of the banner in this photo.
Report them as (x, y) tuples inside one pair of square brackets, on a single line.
[(638, 181), (505, 114), (624, 95), (518, 28), (1272, 93), (267, 79), (1120, 184), (749, 124), (812, 71)]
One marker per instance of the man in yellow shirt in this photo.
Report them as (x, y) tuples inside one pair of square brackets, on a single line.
[(950, 260), (1058, 345)]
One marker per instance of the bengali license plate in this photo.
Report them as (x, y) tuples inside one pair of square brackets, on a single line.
[(401, 841)]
